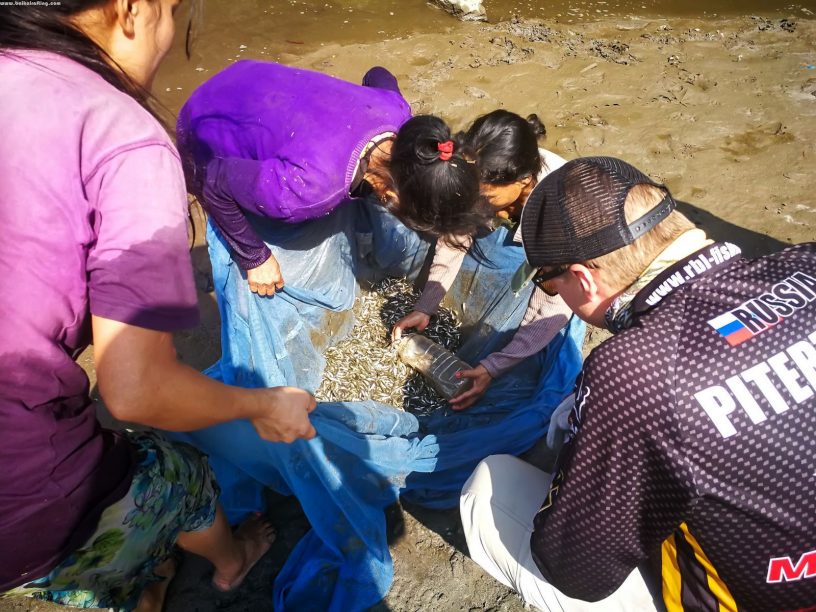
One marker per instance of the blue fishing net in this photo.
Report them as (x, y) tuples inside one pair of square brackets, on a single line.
[(366, 454)]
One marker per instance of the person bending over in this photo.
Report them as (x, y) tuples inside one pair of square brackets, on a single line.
[(285, 143), (688, 448), (510, 163)]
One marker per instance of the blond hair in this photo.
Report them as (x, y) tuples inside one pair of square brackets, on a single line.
[(622, 267)]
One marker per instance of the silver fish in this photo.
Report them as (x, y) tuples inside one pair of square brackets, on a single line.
[(365, 366)]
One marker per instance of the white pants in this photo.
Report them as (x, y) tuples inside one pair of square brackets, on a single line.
[(498, 504)]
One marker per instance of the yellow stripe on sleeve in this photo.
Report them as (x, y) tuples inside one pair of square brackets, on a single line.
[(715, 583), (672, 581)]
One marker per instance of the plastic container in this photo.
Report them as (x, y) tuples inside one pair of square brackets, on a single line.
[(437, 364)]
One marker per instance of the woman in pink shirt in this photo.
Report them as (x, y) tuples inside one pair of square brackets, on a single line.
[(93, 209)]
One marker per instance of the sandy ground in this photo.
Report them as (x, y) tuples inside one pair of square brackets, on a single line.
[(720, 110)]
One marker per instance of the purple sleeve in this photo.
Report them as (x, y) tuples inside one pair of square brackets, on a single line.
[(275, 188), (381, 78), (247, 248), (138, 266)]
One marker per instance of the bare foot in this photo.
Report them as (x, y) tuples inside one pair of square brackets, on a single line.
[(153, 595), (253, 538)]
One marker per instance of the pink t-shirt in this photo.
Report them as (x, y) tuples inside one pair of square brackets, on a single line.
[(92, 211)]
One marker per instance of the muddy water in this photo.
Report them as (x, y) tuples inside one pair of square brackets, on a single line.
[(282, 30), (567, 11)]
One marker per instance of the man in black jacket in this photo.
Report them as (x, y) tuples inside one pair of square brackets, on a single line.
[(691, 439)]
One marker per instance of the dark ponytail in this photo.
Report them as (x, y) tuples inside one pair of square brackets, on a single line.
[(438, 190), (505, 146)]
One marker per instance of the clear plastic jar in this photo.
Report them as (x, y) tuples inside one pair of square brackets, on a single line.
[(437, 364)]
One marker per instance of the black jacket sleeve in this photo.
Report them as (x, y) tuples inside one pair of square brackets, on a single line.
[(622, 485)]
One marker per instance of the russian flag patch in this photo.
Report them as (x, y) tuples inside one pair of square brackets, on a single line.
[(731, 328)]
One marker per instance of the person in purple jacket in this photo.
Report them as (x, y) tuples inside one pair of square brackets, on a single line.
[(95, 253), (285, 143)]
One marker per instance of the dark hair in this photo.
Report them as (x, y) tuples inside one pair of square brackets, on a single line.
[(49, 28), (505, 146), (437, 197)]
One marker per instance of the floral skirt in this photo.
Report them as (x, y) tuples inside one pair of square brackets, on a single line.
[(173, 490)]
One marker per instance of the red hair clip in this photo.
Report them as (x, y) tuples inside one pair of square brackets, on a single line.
[(445, 150)]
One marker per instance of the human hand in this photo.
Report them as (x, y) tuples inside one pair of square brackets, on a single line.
[(284, 414), (266, 278), (416, 319), (481, 381)]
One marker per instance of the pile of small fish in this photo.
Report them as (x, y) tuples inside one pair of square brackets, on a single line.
[(365, 365)]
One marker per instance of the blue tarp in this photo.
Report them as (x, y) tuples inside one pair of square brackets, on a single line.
[(366, 454)]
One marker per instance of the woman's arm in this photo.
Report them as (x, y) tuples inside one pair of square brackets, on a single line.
[(140, 289), (141, 381), (543, 319), (446, 264), (249, 251)]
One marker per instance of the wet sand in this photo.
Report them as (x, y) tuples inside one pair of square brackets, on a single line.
[(720, 108)]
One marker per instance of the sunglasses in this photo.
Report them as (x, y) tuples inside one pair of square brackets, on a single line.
[(544, 276)]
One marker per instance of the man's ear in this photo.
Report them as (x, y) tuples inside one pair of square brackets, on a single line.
[(586, 279)]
